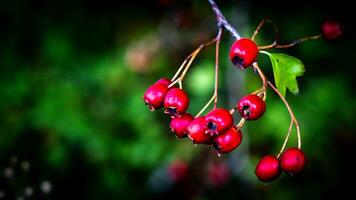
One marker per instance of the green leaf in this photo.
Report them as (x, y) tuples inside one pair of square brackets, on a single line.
[(285, 70)]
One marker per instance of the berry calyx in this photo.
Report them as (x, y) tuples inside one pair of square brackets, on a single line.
[(331, 30), (251, 107), (176, 102), (293, 160), (155, 95), (268, 168), (218, 120), (243, 53), (197, 129), (179, 125), (228, 141)]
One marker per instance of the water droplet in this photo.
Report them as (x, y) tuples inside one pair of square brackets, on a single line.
[(219, 154), (25, 165), (28, 191), (46, 187), (8, 172)]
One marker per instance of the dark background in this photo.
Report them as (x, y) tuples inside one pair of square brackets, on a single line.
[(72, 77)]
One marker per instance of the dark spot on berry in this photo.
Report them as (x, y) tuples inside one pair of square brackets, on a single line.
[(172, 112), (212, 129), (238, 62), (246, 111)]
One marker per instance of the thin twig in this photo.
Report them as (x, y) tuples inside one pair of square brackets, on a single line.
[(218, 37), (276, 37), (294, 43), (222, 22), (293, 118)]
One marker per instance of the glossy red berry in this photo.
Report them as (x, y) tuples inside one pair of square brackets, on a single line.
[(197, 129), (293, 160), (176, 102), (179, 124), (218, 121), (251, 107), (164, 81), (155, 95), (228, 141), (268, 168), (331, 30), (243, 53)]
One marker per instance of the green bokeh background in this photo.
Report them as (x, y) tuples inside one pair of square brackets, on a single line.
[(72, 77)]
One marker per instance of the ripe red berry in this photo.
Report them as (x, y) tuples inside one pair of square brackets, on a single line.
[(155, 95), (179, 125), (164, 81), (268, 168), (331, 30), (177, 171), (218, 121), (197, 129), (228, 141), (251, 107), (293, 160), (243, 53), (218, 174), (176, 102)]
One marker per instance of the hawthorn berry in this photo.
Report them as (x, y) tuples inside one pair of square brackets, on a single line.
[(176, 102), (178, 171), (251, 107), (155, 95), (268, 168), (179, 124), (331, 30), (164, 81), (197, 129), (243, 53), (228, 141), (218, 120), (293, 160), (218, 174)]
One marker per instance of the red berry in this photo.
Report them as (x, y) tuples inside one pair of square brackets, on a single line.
[(228, 141), (155, 95), (251, 107), (218, 121), (218, 174), (197, 129), (164, 81), (176, 102), (293, 160), (243, 53), (179, 125), (331, 30), (177, 171), (268, 168)]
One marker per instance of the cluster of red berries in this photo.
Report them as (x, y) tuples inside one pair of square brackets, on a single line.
[(217, 126), (292, 161)]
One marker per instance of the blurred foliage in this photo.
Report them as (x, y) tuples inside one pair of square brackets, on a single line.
[(72, 78)]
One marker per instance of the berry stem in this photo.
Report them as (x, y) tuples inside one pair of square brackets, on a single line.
[(221, 20), (206, 106), (292, 44), (260, 25), (263, 89), (295, 121), (286, 139), (241, 123), (218, 37)]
